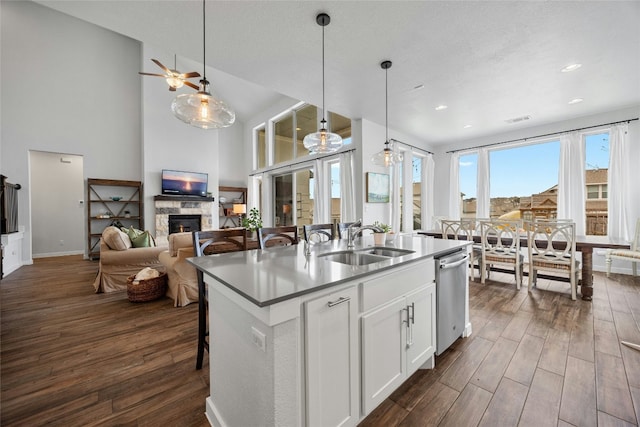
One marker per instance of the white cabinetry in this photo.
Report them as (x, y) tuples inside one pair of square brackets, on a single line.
[(397, 336), (332, 359)]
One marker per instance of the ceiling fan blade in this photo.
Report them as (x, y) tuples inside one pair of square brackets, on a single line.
[(159, 64), (191, 85), (190, 75), (151, 74)]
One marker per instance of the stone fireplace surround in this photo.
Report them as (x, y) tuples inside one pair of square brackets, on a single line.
[(181, 205)]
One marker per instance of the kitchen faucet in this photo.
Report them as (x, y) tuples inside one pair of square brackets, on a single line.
[(357, 228), (307, 242)]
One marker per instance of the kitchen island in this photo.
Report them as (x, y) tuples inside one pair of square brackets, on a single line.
[(319, 337)]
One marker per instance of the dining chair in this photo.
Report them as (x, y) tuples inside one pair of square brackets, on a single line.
[(500, 245), (281, 236), (463, 229), (324, 232), (343, 229), (208, 243), (552, 247), (632, 255)]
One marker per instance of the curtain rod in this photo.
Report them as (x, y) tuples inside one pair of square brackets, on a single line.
[(302, 161), (542, 136), (409, 145)]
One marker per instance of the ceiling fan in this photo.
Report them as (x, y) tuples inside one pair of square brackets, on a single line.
[(175, 79)]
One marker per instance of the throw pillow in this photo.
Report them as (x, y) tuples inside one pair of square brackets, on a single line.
[(116, 239), (144, 240), (132, 232)]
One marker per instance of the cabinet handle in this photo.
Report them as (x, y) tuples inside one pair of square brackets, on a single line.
[(338, 301), (412, 312)]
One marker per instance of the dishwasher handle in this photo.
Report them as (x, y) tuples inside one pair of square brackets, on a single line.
[(445, 266)]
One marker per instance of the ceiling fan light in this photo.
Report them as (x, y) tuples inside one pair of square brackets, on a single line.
[(174, 82), (322, 141)]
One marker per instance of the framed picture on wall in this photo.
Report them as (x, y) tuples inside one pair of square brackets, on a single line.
[(377, 187)]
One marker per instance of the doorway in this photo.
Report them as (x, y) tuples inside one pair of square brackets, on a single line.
[(57, 204)]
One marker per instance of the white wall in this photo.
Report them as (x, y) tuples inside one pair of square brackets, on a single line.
[(58, 211), (67, 86)]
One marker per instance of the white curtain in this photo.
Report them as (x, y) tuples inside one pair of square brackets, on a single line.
[(483, 203), (347, 188), (454, 187), (428, 193), (322, 194), (394, 206), (571, 181), (620, 185)]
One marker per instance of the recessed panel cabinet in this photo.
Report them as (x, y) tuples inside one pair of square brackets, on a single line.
[(332, 359)]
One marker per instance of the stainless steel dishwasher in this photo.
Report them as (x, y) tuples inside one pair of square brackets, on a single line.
[(451, 282)]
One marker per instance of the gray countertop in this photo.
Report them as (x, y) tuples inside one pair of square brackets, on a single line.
[(273, 275)]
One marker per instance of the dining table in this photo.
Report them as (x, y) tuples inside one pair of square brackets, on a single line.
[(584, 244)]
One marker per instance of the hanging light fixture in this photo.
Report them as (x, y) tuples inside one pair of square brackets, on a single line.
[(322, 141), (202, 109), (387, 157)]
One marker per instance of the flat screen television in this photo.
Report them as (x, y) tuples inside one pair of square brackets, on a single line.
[(182, 183)]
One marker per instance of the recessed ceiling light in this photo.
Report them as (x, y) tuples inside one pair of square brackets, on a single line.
[(441, 107), (467, 126), (571, 67), (576, 101)]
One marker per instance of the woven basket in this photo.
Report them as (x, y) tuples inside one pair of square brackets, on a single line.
[(147, 290)]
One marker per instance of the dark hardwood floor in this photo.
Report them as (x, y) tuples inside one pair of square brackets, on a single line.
[(72, 357)]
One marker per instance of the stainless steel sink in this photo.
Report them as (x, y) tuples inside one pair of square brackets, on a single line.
[(385, 251), (353, 257)]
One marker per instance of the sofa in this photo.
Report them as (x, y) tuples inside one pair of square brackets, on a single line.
[(182, 279), (119, 260)]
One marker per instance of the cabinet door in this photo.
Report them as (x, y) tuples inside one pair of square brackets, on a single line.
[(421, 343), (384, 365), (332, 364)]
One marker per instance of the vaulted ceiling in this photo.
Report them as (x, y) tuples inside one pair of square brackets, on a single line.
[(487, 61)]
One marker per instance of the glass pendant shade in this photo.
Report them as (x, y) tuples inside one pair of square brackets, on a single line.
[(322, 141), (203, 110), (386, 157)]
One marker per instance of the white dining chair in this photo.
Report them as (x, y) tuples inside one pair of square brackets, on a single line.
[(632, 255), (501, 246), (558, 258)]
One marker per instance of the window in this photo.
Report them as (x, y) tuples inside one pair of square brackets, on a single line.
[(261, 147), (342, 126), (306, 123), (524, 181), (596, 178), (283, 137)]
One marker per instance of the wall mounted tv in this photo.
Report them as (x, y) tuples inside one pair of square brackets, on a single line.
[(181, 183)]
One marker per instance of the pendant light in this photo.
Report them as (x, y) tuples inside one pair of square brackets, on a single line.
[(202, 109), (322, 141), (387, 157)]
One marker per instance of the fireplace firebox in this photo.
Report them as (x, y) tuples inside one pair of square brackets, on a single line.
[(182, 223)]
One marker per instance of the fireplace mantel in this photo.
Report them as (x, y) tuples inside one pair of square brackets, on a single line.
[(183, 198)]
